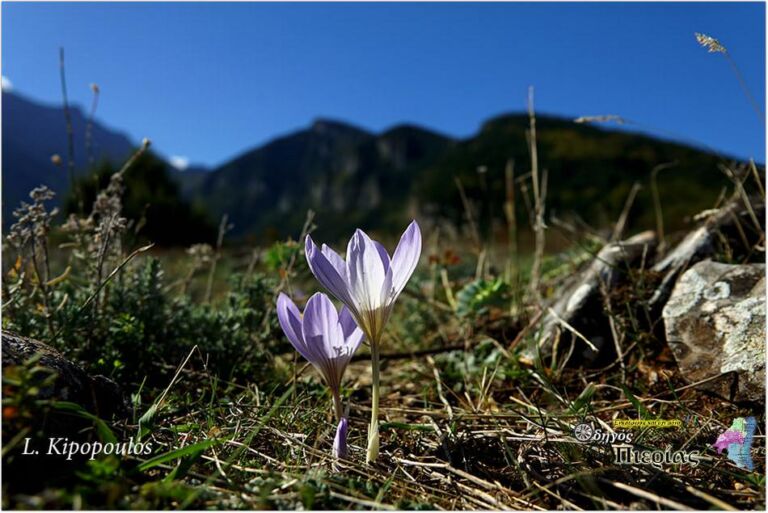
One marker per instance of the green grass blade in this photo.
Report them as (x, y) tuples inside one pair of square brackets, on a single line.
[(104, 432), (178, 453)]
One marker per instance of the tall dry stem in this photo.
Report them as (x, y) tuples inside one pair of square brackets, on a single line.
[(473, 230), (511, 217), (756, 175), (657, 201), (538, 198), (743, 84), (89, 125), (621, 223), (715, 46), (224, 227), (742, 193), (70, 130)]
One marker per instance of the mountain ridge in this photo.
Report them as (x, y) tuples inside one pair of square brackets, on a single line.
[(34, 132), (352, 176)]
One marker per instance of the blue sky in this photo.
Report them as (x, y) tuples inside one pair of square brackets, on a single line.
[(207, 81)]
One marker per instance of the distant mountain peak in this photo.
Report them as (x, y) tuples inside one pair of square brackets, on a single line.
[(522, 120), (33, 132), (406, 129), (327, 126)]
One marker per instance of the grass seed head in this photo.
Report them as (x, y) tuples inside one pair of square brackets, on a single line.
[(710, 43)]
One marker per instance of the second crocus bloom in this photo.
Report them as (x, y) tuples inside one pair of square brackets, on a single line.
[(324, 337)]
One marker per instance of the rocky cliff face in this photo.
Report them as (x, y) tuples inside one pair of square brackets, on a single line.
[(345, 174)]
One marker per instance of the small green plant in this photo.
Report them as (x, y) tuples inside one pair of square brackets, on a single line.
[(478, 296)]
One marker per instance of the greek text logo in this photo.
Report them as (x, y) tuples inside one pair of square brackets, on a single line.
[(587, 433), (628, 455)]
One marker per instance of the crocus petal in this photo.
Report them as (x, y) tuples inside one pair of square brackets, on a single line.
[(347, 321), (336, 261), (366, 272), (406, 257), (353, 335), (321, 324), (324, 337), (340, 441), (383, 254), (353, 343), (388, 293), (326, 272), (290, 320)]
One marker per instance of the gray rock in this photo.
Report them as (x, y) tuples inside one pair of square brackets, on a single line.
[(700, 243), (715, 324), (97, 394)]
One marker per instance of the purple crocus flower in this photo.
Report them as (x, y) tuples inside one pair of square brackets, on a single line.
[(340, 442), (325, 338), (368, 283)]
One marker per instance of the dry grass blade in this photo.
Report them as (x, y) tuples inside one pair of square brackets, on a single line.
[(438, 384), (657, 201), (70, 130), (158, 404), (717, 503), (511, 218), (538, 198), (644, 494), (362, 502), (224, 227), (739, 184), (618, 230), (560, 498), (468, 212), (756, 175), (572, 329)]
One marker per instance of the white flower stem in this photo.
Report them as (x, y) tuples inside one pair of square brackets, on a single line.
[(337, 407), (373, 429)]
